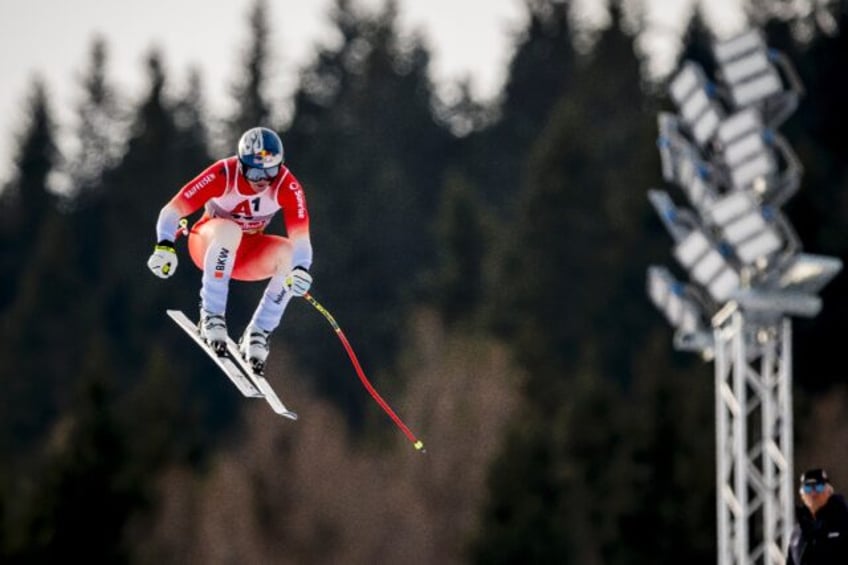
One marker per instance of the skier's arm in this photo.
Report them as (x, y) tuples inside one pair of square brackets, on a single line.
[(292, 200), (208, 184), (190, 198)]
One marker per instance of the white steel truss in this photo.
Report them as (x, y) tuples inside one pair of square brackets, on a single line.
[(753, 399)]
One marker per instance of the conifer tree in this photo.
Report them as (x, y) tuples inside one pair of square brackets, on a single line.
[(582, 212), (369, 153), (99, 136), (35, 159), (463, 230), (576, 310), (97, 143), (32, 237), (27, 198), (160, 158), (83, 499), (190, 115), (540, 72), (252, 107), (4, 519)]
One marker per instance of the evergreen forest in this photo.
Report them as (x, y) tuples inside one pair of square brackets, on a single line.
[(487, 261)]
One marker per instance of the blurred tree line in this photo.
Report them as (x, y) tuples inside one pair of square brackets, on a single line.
[(488, 263)]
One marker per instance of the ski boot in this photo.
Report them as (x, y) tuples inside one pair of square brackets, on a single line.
[(254, 347), (213, 330)]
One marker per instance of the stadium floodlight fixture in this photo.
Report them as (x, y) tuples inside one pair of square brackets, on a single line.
[(793, 289), (695, 98), (748, 68), (683, 165), (707, 263), (750, 162), (756, 158), (757, 234), (679, 223), (703, 258), (808, 273), (770, 303), (682, 309)]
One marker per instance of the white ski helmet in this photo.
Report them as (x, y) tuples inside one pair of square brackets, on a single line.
[(260, 152)]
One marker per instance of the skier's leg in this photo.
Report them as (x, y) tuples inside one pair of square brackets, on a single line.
[(266, 256), (213, 245)]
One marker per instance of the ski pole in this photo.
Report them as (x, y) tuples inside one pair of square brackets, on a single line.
[(374, 394)]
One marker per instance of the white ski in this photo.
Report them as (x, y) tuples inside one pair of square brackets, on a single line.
[(261, 383), (227, 364), (235, 367)]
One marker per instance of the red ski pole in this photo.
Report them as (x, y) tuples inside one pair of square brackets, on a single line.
[(374, 394)]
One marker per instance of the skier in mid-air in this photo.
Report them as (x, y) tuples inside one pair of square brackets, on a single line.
[(241, 194)]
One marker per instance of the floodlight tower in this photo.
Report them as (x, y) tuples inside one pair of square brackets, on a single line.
[(749, 277)]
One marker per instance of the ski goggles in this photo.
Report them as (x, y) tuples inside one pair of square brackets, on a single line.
[(817, 488), (255, 174)]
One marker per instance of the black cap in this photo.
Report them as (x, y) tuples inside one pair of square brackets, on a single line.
[(814, 477)]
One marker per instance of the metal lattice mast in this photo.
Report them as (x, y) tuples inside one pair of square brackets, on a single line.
[(753, 384), (748, 275)]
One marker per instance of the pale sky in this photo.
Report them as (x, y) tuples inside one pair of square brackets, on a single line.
[(52, 39)]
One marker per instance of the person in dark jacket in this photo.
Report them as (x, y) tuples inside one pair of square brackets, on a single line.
[(821, 535)]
